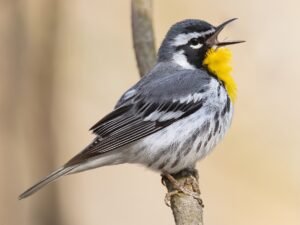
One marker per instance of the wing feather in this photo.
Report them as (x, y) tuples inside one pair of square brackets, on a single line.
[(134, 126), (151, 105)]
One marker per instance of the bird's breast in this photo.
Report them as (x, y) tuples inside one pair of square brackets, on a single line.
[(189, 139)]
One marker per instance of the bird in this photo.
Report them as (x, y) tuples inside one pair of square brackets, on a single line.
[(172, 117)]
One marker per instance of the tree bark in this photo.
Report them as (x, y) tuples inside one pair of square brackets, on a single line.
[(187, 209)]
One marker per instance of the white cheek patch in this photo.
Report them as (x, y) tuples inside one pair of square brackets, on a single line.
[(196, 46), (180, 59), (182, 39)]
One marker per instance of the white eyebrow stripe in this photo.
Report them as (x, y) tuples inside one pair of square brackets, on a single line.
[(183, 39)]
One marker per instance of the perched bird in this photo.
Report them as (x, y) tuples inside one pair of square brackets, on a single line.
[(174, 115)]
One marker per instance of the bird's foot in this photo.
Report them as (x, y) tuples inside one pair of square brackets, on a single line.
[(169, 196), (180, 188)]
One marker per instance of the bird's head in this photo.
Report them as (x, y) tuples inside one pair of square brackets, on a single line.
[(188, 42)]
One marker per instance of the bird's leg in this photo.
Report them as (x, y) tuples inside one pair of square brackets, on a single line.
[(172, 180), (191, 180), (178, 187)]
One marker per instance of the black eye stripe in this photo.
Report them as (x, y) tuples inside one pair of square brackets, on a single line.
[(195, 41), (201, 39)]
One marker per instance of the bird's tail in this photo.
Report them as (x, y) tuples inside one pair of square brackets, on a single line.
[(51, 177)]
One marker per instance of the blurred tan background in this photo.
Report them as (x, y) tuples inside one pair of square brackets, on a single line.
[(64, 64)]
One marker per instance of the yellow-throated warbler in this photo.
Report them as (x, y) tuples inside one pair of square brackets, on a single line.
[(174, 115)]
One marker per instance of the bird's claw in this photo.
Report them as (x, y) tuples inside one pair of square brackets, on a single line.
[(169, 196), (163, 182), (179, 188)]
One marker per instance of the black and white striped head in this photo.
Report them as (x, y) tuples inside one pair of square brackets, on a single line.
[(187, 42)]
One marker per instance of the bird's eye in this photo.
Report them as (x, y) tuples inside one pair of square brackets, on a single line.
[(195, 44), (194, 41)]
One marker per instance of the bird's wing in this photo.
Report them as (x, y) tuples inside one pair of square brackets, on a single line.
[(151, 108)]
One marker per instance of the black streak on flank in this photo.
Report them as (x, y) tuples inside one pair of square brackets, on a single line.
[(228, 104), (199, 146), (205, 143), (172, 148), (217, 122), (163, 164), (205, 127), (187, 151), (216, 127), (220, 129), (178, 153), (174, 164), (209, 137), (139, 151), (226, 107), (219, 90), (188, 145), (216, 117), (158, 156)]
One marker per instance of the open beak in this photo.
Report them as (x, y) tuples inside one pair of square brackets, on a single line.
[(213, 40)]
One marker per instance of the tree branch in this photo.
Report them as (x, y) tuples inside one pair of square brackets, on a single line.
[(143, 35), (187, 210)]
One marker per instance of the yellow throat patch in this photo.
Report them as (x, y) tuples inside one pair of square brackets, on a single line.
[(218, 62)]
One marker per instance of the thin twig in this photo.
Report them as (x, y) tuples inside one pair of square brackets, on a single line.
[(187, 209)]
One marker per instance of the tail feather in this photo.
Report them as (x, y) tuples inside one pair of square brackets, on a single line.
[(51, 177)]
